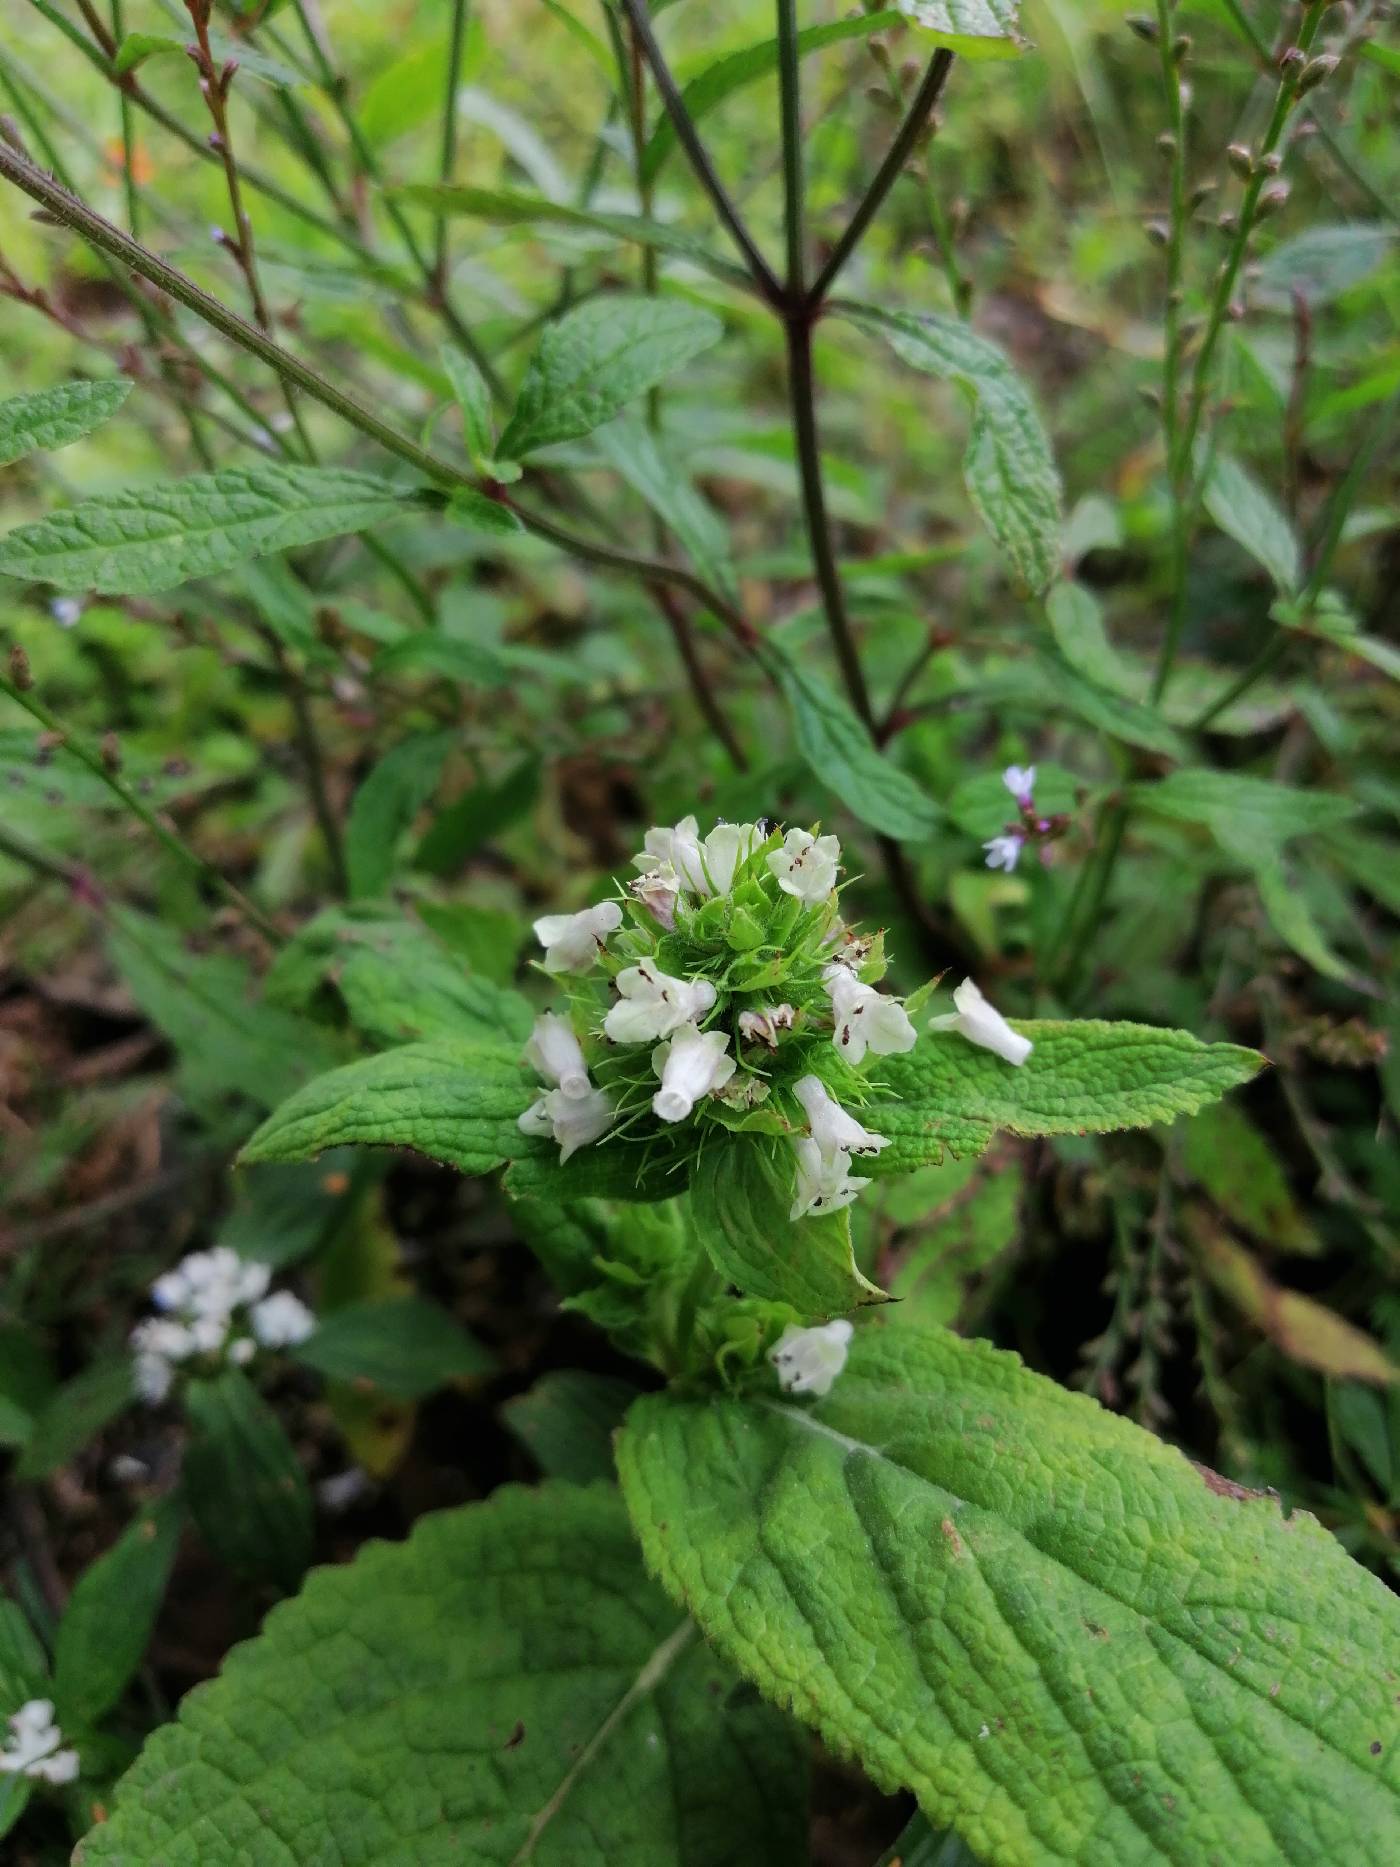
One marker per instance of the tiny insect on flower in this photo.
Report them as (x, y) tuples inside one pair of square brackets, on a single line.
[(981, 1023), (809, 1360)]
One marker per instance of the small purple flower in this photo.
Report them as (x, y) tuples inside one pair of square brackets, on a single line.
[(1004, 852), (1020, 782)]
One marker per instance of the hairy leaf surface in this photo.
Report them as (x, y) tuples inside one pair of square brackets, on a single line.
[(973, 28), (505, 1687), (1068, 1641), (53, 418)]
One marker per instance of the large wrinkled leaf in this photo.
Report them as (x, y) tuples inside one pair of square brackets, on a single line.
[(53, 418), (506, 1686), (1009, 467), (1071, 1644), (843, 758), (594, 360), (1083, 1076), (1245, 512), (740, 1195), (736, 70), (457, 1102), (973, 28), (154, 537)]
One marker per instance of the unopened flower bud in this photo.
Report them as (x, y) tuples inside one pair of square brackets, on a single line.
[(1273, 198), (19, 669), (1271, 163), (111, 753), (1157, 231), (1241, 160), (1317, 71), (1143, 26), (1181, 47), (1166, 142), (1235, 311), (1200, 194), (1292, 63), (1152, 397), (1229, 223)]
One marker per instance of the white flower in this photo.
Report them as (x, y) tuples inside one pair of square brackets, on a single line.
[(806, 865), (241, 1352), (981, 1023), (32, 1748), (573, 1122), (834, 1131), (809, 1360), (152, 1376), (822, 1185), (158, 1344), (727, 845), (211, 1283), (1004, 852), (866, 1019), (762, 1026), (1019, 781), (281, 1321), (693, 1064), (676, 850), (658, 891), (67, 611), (653, 1005), (554, 1051), (571, 941)]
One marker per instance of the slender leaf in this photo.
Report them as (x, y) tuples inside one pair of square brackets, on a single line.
[(52, 418)]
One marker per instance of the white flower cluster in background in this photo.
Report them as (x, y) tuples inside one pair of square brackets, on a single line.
[(214, 1305), (33, 1747)]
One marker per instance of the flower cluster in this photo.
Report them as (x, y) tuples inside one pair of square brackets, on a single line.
[(33, 1746), (721, 988), (214, 1307), (1004, 851)]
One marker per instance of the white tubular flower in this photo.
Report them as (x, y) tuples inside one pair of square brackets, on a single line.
[(554, 1051), (573, 1122), (1004, 852), (658, 891), (653, 1004), (32, 1748), (822, 1185), (693, 1064), (571, 941), (762, 1026), (834, 1131), (981, 1023), (806, 865), (809, 1360), (866, 1019), (676, 850), (1020, 782), (281, 1321), (727, 845)]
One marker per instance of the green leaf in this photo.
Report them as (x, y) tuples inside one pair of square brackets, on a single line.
[(478, 512), (246, 1488), (385, 806), (107, 1624), (1084, 1076), (154, 537), (1321, 263), (397, 980), (406, 1346), (74, 1415), (52, 418), (475, 664), (567, 1420), (285, 605), (1069, 1642), (632, 450), (470, 388), (932, 1277), (1247, 816), (597, 358), (505, 1686), (1292, 920), (1009, 467), (455, 1102), (1076, 622), (471, 820), (24, 1666), (1225, 1153), (972, 28), (843, 758), (1057, 686), (740, 1196), (735, 70), (508, 207), (1245, 512)]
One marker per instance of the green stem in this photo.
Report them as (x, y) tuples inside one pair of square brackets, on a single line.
[(97, 765), (313, 762), (447, 158), (1112, 824), (1178, 472), (129, 182), (790, 94)]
